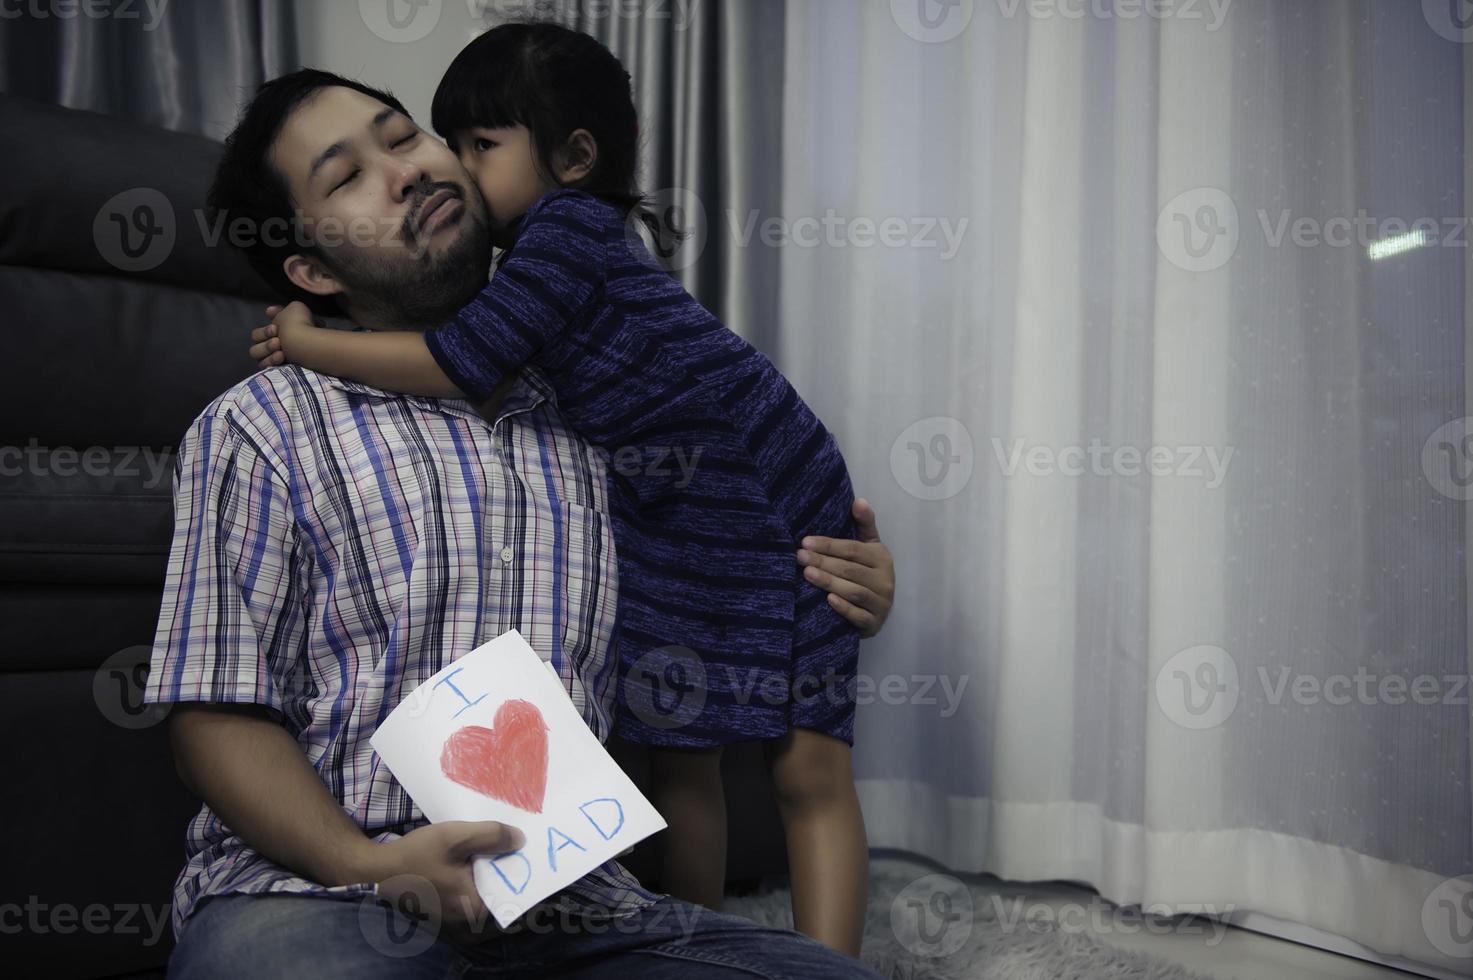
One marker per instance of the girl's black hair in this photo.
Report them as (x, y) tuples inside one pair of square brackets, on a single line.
[(552, 80)]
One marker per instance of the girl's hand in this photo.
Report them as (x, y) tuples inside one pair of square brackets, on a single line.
[(270, 345), (859, 575)]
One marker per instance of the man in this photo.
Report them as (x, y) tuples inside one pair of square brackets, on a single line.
[(336, 545)]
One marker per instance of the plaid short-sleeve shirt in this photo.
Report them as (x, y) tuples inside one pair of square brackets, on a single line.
[(335, 545)]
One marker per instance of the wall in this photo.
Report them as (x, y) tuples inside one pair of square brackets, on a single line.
[(401, 45)]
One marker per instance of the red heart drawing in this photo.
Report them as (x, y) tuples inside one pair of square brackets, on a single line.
[(508, 763)]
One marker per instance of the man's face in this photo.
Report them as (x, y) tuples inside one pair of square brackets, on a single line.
[(401, 230)]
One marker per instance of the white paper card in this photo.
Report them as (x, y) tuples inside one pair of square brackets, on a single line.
[(495, 736)]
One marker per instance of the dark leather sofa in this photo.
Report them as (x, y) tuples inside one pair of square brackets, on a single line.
[(122, 322)]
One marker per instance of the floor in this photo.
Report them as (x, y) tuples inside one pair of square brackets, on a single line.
[(989, 920), (1238, 955)]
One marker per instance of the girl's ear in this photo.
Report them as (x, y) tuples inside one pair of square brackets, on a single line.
[(578, 157)]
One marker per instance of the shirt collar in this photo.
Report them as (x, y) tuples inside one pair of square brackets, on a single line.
[(528, 390)]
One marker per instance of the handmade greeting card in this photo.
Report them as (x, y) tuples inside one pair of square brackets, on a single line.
[(494, 736)]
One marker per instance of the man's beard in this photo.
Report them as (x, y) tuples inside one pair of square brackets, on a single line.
[(414, 288)]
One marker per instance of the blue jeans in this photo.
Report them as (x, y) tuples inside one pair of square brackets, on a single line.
[(278, 936)]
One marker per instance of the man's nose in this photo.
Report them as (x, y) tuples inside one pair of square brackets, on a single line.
[(407, 177)]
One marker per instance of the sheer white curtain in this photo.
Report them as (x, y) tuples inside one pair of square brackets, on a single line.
[(1183, 606)]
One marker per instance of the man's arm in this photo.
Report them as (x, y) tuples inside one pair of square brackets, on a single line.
[(859, 575), (257, 780), (232, 629)]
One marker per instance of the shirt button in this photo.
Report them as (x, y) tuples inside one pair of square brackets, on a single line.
[(506, 554)]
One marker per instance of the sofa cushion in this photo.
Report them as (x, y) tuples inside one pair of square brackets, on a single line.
[(82, 191), (86, 471)]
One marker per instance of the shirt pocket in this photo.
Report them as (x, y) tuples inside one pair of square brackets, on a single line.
[(570, 560), (590, 590)]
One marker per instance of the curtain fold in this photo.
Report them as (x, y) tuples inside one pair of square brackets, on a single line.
[(1149, 445), (182, 66), (708, 85)]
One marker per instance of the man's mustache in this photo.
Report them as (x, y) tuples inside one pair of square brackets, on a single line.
[(423, 193)]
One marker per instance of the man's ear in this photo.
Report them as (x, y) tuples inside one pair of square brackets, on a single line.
[(308, 275), (577, 157)]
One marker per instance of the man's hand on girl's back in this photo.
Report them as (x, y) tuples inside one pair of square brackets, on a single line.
[(859, 575)]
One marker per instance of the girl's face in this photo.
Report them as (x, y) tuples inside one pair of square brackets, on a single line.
[(503, 163)]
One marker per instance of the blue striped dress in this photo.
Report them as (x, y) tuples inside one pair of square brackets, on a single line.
[(717, 469)]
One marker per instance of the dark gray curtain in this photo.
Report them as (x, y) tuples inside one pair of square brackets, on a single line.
[(182, 64), (708, 80)]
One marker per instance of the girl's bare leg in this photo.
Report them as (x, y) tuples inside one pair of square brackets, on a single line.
[(828, 854), (686, 789)]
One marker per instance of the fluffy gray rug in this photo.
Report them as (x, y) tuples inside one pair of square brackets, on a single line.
[(924, 925)]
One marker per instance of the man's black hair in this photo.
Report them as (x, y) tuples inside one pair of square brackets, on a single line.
[(246, 185)]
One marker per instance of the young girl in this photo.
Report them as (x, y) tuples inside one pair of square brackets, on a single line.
[(717, 468)]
